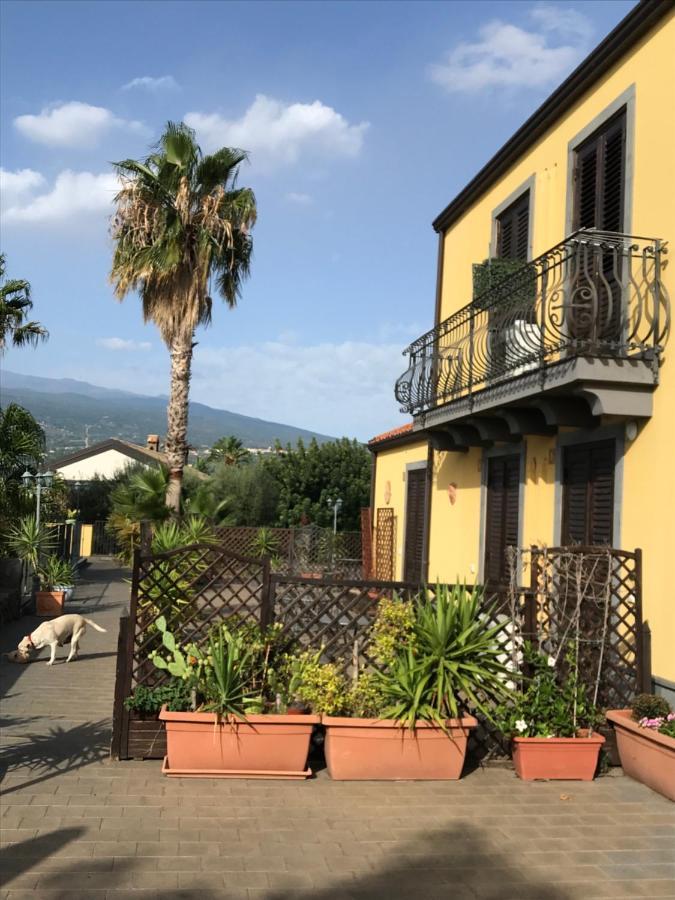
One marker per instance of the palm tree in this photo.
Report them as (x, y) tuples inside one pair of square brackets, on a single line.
[(229, 450), (15, 304), (181, 221), (22, 446)]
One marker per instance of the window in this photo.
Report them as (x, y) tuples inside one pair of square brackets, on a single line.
[(599, 178), (501, 516), (588, 494), (414, 525), (513, 226)]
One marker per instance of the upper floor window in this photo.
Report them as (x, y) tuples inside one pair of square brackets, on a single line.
[(513, 228), (599, 177)]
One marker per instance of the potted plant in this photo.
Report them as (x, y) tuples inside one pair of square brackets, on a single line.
[(551, 722), (71, 516), (645, 736), (227, 732), (63, 575), (406, 720), (30, 541), (50, 599)]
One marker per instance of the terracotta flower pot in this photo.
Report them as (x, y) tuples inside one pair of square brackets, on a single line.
[(49, 603), (646, 755), (567, 759), (382, 750), (202, 745)]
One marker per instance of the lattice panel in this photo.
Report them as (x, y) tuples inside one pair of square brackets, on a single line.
[(194, 588), (367, 542), (599, 587), (384, 544)]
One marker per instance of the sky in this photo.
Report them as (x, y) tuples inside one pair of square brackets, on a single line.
[(362, 121)]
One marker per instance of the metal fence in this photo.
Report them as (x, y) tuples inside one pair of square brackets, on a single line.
[(591, 593)]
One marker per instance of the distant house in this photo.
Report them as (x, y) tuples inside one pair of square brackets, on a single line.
[(109, 458)]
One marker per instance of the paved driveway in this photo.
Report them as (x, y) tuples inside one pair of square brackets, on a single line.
[(76, 825)]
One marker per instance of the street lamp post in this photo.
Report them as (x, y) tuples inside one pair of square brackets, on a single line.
[(336, 507), (41, 481)]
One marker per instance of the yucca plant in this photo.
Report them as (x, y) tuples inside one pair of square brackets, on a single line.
[(30, 541), (452, 657), (228, 675)]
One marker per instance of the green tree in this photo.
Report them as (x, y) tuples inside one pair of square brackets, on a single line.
[(250, 493), (15, 304), (22, 446), (181, 223), (308, 476), (230, 451)]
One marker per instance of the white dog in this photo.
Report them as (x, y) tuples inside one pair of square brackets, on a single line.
[(53, 634)]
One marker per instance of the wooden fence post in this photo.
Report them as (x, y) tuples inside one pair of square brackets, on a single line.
[(645, 667), (266, 595), (120, 681)]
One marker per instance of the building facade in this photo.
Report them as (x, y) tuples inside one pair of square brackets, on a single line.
[(543, 400)]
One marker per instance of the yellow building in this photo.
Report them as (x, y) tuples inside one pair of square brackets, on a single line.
[(543, 400)]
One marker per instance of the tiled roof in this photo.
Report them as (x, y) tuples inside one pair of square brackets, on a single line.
[(388, 435)]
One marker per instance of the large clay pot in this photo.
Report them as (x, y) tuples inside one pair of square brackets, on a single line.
[(49, 603), (382, 750), (567, 759), (645, 755), (204, 745)]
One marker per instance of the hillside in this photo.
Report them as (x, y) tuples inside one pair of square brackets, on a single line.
[(72, 411)]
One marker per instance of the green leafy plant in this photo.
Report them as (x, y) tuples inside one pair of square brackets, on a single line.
[(227, 686), (149, 700), (366, 697), (393, 629), (54, 572), (551, 703), (321, 685), (265, 543), (649, 706), (30, 541)]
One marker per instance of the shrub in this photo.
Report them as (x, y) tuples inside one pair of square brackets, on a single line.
[(650, 706)]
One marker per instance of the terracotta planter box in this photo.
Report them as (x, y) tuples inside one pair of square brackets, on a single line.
[(646, 755), (49, 603), (200, 745), (567, 759), (382, 750)]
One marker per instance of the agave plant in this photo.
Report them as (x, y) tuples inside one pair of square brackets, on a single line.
[(30, 540), (451, 657)]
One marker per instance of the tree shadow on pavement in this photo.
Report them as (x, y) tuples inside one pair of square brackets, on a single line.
[(54, 752)]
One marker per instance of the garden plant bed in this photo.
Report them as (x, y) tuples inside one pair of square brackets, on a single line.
[(646, 755), (557, 758), (203, 745), (383, 750), (146, 737)]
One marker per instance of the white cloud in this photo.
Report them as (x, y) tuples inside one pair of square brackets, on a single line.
[(276, 133), (15, 186), (342, 388), (72, 124), (509, 56), (299, 198), (72, 196), (116, 343), (148, 83)]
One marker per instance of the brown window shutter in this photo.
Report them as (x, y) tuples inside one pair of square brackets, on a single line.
[(588, 494), (599, 178), (513, 228), (414, 525), (502, 516)]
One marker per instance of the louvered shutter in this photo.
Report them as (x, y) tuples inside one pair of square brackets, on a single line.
[(502, 515), (599, 178), (414, 525), (588, 494), (512, 229)]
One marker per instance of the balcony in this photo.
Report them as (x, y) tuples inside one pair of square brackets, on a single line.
[(574, 334)]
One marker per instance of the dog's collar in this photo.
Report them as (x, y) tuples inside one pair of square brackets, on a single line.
[(31, 645)]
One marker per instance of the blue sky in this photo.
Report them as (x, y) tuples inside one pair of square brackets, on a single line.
[(362, 119)]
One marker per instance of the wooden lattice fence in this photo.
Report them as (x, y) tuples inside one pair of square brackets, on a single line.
[(198, 586), (385, 540)]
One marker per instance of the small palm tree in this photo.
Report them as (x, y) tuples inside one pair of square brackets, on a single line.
[(15, 304), (181, 221), (229, 450)]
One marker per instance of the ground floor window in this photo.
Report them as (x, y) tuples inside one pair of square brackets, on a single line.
[(588, 493), (502, 516), (415, 517)]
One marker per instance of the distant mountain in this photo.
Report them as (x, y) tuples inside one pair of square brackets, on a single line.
[(74, 413)]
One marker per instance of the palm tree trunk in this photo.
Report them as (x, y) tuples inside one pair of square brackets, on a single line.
[(177, 417)]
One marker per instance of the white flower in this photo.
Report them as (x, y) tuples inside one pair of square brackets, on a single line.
[(521, 725), (551, 661)]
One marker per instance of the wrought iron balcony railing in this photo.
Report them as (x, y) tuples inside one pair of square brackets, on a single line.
[(596, 294)]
